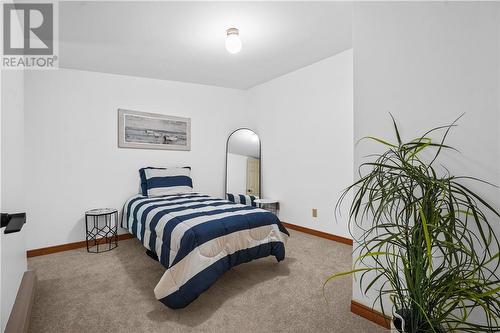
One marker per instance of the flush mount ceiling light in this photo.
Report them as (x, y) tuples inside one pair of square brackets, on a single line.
[(233, 41)]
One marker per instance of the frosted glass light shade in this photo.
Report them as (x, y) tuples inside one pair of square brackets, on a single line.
[(233, 41)]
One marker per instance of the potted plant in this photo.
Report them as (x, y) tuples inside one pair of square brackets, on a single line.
[(425, 238)]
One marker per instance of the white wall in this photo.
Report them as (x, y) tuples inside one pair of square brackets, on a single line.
[(305, 121), (1, 230), (71, 143), (71, 131), (13, 262), (13, 190), (236, 173), (427, 63), (13, 247)]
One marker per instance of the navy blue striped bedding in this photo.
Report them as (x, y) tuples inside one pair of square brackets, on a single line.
[(244, 199), (197, 238)]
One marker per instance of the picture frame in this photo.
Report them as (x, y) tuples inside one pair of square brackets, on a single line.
[(145, 130)]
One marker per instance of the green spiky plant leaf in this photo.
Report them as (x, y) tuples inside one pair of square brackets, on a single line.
[(426, 237)]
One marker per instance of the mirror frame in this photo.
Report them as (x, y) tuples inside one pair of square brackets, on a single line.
[(260, 160)]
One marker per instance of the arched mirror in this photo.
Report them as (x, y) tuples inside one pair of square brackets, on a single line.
[(243, 166)]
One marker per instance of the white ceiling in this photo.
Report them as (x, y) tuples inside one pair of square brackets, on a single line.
[(184, 41)]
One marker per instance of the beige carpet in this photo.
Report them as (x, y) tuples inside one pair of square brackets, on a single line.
[(113, 292)]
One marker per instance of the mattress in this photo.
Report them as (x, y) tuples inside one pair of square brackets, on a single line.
[(197, 238)]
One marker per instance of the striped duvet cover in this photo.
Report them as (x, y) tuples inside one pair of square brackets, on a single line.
[(197, 238)]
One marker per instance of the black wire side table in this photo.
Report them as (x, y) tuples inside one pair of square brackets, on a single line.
[(101, 226)]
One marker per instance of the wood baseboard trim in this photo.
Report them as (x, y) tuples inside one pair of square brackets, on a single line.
[(78, 245), (372, 315), (19, 319), (69, 246), (317, 233)]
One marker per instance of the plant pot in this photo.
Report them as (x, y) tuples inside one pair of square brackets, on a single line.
[(393, 328), (400, 321)]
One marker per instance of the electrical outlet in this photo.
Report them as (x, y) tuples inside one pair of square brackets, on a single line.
[(315, 212)]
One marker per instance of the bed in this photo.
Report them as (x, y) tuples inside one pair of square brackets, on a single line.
[(197, 238)]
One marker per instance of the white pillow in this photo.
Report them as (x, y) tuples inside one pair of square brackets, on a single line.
[(161, 181)]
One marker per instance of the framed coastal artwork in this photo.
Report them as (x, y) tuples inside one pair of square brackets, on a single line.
[(153, 131)]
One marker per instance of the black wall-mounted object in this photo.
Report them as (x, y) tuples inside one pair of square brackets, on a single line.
[(5, 220), (13, 222)]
